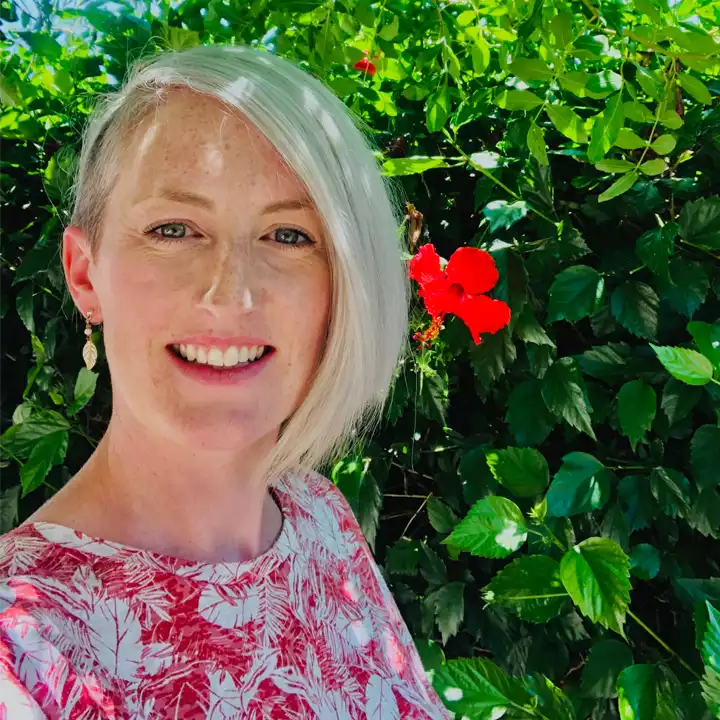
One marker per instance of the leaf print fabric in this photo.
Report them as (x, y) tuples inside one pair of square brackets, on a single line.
[(96, 630)]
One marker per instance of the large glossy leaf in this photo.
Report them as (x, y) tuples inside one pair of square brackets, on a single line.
[(568, 122), (607, 658), (477, 688), (707, 339), (655, 248), (706, 456), (637, 692), (581, 485), (700, 222), (564, 393), (517, 100), (494, 528), (637, 405), (523, 471), (575, 293), (528, 418), (449, 605), (596, 575), (530, 587), (49, 450), (688, 366), (412, 165), (711, 658), (671, 489), (619, 187), (635, 306)]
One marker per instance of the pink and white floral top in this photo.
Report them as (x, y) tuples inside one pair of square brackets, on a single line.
[(91, 629)]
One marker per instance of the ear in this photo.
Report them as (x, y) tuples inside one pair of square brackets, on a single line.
[(78, 264)]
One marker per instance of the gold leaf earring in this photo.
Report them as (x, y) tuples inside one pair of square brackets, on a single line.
[(89, 352)]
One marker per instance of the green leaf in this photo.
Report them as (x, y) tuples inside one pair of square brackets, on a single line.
[(536, 144), (20, 439), (596, 575), (645, 561), (635, 306), (402, 557), (619, 187), (527, 416), (655, 247), (638, 112), (575, 294), (700, 223), (523, 471), (564, 393), (42, 44), (606, 128), (477, 688), (369, 502), (605, 81), (688, 366), (412, 165), (530, 587), (449, 605), (628, 140), (606, 660), (711, 658), (494, 528), (365, 14), (637, 500), (480, 56), (531, 70), (695, 88), (688, 286), (637, 405), (669, 118), (388, 32), (24, 305), (441, 516), (568, 122), (649, 81), (580, 485), (671, 489), (529, 330), (707, 339), (432, 567), (653, 167), (84, 389), (49, 450), (664, 145), (679, 399), (705, 456), (438, 109), (614, 166), (549, 699), (504, 214), (637, 692), (517, 100), (561, 26)]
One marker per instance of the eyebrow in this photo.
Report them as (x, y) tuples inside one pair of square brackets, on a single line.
[(191, 198)]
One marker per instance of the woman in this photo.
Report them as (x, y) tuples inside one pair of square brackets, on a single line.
[(232, 233)]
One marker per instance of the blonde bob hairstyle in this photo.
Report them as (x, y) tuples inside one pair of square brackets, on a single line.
[(331, 152)]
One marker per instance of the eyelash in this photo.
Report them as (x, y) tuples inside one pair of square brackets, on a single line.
[(285, 246)]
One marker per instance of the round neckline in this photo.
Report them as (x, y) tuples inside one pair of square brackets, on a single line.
[(214, 572)]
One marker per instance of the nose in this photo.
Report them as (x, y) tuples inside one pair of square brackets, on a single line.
[(230, 279)]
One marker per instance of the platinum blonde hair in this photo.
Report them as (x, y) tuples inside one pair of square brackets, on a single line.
[(331, 152)]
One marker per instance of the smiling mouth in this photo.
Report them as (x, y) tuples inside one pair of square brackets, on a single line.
[(217, 359)]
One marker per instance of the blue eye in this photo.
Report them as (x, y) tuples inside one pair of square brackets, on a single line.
[(291, 237), (176, 231)]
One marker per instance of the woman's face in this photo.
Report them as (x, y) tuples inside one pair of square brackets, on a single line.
[(209, 239)]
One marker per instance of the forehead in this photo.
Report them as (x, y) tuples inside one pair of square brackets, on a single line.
[(194, 140)]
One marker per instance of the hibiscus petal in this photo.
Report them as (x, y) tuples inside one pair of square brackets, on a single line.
[(424, 266), (472, 268), (481, 314), (437, 297)]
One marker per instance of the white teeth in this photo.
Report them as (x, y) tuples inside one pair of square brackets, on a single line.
[(217, 358), (231, 357)]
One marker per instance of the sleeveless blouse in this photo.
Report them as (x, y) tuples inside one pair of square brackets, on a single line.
[(95, 630)]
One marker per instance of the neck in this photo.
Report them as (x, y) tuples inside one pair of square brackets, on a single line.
[(154, 493)]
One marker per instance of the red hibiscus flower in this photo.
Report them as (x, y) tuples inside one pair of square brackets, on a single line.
[(458, 290), (365, 65)]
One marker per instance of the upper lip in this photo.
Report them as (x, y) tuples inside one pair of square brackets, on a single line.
[(222, 343)]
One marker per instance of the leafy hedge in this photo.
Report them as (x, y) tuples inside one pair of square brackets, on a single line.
[(544, 504)]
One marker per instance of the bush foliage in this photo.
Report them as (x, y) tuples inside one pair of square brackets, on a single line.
[(545, 504)]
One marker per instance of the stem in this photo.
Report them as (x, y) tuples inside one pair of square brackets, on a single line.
[(417, 512), (662, 643)]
